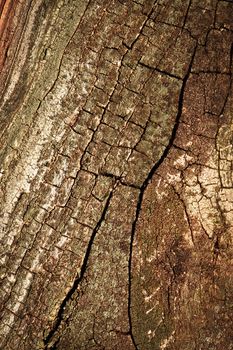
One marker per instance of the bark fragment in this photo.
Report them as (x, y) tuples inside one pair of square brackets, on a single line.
[(116, 174)]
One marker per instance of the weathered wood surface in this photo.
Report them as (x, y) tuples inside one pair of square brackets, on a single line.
[(116, 174)]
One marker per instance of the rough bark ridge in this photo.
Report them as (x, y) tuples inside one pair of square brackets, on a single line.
[(116, 174)]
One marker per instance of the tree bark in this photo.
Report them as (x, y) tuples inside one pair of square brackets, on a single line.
[(116, 174)]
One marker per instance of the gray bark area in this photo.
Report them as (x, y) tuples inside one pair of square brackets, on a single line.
[(116, 184)]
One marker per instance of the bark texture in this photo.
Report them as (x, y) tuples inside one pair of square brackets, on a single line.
[(116, 133)]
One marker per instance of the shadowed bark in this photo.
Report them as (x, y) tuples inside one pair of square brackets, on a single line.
[(116, 175)]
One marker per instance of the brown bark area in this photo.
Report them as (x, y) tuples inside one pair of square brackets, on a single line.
[(116, 175)]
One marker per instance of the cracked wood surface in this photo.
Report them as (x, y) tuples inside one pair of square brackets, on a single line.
[(116, 174)]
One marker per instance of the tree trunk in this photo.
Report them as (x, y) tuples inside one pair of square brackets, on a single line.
[(116, 174)]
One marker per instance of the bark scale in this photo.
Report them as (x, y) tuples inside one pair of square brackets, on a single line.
[(116, 174)]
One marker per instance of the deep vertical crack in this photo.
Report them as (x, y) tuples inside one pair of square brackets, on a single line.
[(109, 135), (79, 276), (148, 180)]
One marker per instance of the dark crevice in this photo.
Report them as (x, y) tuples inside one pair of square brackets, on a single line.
[(120, 179), (130, 47), (79, 276), (148, 180), (186, 14), (160, 71)]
